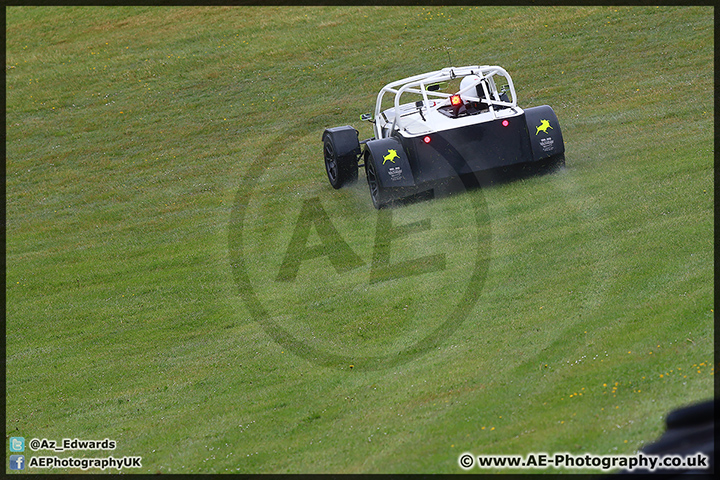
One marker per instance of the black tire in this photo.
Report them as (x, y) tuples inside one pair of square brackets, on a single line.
[(377, 192), (341, 169), (557, 161), (549, 165)]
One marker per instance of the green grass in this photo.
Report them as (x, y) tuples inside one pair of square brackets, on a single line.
[(137, 136)]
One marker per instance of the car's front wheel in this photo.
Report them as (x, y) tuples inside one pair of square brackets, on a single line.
[(342, 169)]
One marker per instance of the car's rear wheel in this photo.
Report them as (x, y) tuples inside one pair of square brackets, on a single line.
[(556, 162), (377, 193), (341, 169)]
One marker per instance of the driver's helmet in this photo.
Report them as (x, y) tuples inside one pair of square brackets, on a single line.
[(472, 94)]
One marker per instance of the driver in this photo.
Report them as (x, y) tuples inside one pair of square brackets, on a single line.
[(473, 96)]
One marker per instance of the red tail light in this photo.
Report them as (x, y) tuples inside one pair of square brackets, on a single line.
[(455, 100), (505, 123), (426, 139)]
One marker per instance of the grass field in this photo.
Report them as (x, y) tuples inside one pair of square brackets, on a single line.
[(158, 161)]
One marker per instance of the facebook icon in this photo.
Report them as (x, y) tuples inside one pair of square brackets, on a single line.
[(17, 462)]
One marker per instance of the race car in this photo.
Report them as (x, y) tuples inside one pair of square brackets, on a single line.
[(458, 123)]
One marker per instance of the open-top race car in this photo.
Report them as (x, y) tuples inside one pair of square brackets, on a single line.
[(458, 123)]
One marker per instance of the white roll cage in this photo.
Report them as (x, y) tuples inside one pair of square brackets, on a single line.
[(418, 84)]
